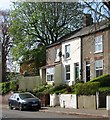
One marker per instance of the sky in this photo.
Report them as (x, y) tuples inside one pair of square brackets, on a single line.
[(5, 4)]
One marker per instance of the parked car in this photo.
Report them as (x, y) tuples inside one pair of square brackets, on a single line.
[(23, 101)]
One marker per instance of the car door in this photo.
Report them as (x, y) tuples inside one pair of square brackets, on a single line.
[(11, 100), (16, 100)]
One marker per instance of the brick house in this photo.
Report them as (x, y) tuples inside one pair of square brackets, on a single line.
[(51, 73), (84, 54), (71, 60), (28, 68), (95, 50), (56, 61)]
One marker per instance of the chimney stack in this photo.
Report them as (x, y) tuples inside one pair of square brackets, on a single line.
[(87, 20)]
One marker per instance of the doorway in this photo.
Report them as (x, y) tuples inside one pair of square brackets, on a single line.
[(87, 71)]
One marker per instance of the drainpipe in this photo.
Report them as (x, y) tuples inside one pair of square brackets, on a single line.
[(81, 54)]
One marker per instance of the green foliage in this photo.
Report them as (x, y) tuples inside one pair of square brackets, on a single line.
[(34, 23), (5, 87), (104, 80), (36, 56), (43, 89), (58, 89), (104, 89), (88, 88), (48, 89)]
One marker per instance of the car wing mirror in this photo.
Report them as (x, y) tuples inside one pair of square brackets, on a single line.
[(17, 99)]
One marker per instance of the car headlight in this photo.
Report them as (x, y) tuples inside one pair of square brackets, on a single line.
[(24, 102)]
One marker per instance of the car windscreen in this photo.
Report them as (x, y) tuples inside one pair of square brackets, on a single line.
[(24, 96)]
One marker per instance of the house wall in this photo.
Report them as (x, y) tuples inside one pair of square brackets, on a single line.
[(51, 54), (50, 62), (43, 76), (75, 56), (107, 51), (29, 83), (58, 75), (88, 48)]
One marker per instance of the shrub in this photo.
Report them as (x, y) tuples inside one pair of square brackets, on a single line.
[(7, 86), (104, 89), (87, 88), (58, 89), (104, 80), (43, 89)]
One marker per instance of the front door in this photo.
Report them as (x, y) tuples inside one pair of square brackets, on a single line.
[(76, 71), (87, 71)]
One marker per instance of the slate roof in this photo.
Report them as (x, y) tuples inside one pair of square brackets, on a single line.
[(83, 32), (91, 29)]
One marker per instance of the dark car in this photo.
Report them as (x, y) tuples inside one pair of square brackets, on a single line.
[(24, 101)]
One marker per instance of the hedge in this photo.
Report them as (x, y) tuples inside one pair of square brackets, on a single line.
[(5, 87), (88, 88), (104, 80)]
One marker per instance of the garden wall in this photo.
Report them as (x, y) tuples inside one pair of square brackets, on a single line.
[(68, 100), (29, 83), (54, 100), (88, 102)]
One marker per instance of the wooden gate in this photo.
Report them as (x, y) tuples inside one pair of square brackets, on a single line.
[(102, 100)]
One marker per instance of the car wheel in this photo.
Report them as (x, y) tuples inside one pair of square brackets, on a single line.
[(36, 109), (10, 106), (20, 107)]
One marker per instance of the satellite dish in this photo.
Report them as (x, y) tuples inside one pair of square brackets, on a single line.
[(60, 54)]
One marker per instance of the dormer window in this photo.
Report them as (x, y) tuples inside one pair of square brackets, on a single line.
[(67, 51)]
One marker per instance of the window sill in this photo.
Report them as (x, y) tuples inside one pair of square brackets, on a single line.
[(67, 81), (98, 52), (66, 59), (56, 61), (49, 81)]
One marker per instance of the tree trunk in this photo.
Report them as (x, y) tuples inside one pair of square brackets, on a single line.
[(3, 65)]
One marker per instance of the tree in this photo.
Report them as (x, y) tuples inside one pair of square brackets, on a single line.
[(107, 3), (46, 23), (99, 10), (6, 41)]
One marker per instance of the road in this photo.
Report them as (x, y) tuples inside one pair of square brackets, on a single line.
[(7, 113)]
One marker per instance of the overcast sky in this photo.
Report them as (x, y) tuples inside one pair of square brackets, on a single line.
[(5, 4)]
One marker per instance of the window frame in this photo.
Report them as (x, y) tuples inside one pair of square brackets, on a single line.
[(76, 73), (67, 72), (66, 51), (50, 74), (100, 68), (98, 43)]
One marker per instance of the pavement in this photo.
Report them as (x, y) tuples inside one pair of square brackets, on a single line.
[(72, 111)]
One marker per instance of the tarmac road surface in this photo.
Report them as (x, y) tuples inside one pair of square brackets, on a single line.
[(7, 113)]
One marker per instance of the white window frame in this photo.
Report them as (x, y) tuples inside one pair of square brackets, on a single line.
[(98, 44), (99, 66), (67, 72), (57, 57), (50, 73), (67, 51)]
